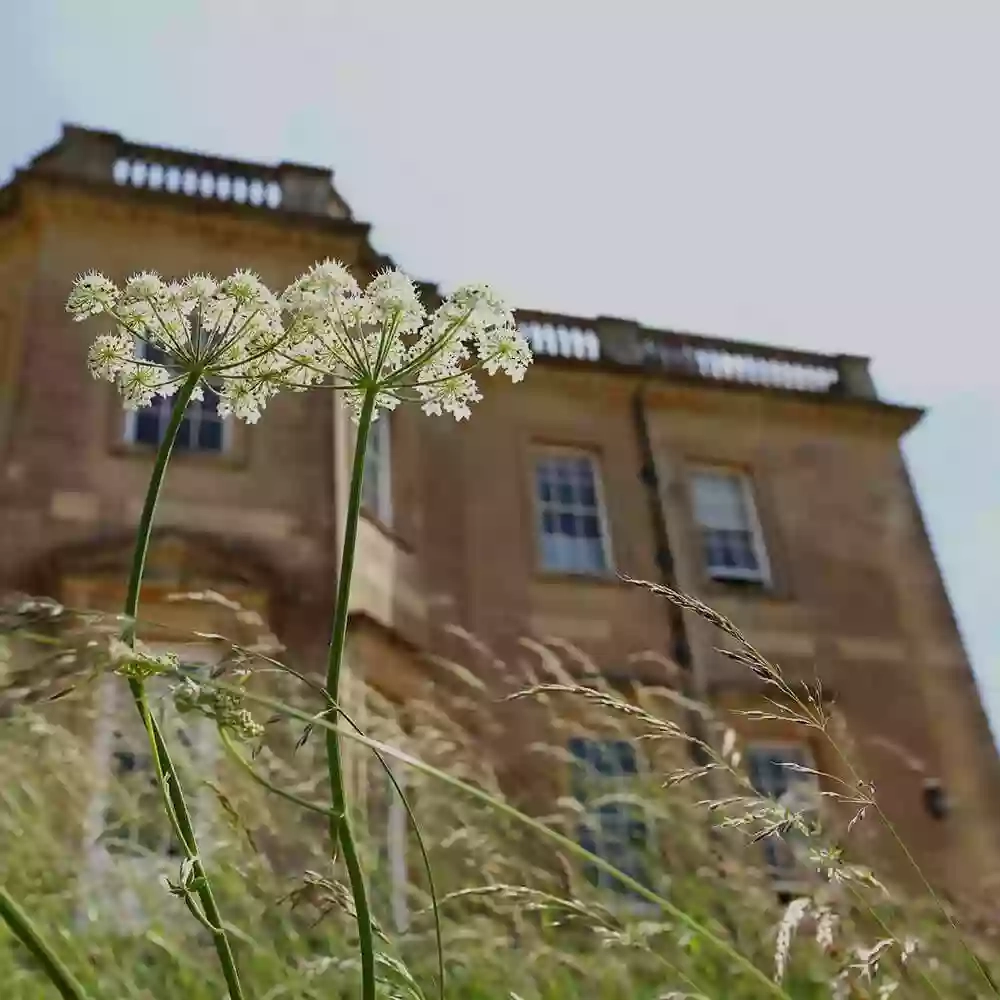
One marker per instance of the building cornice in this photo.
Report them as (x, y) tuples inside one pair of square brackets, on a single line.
[(665, 392)]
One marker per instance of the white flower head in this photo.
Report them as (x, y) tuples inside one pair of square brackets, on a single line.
[(195, 292), (450, 395), (144, 287), (139, 383), (246, 288), (92, 295), (240, 401), (393, 301), (226, 333), (110, 355), (381, 340), (322, 287)]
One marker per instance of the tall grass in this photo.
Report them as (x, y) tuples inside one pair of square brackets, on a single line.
[(519, 915)]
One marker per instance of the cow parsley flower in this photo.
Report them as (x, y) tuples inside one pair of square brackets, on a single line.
[(92, 295), (228, 332), (382, 340)]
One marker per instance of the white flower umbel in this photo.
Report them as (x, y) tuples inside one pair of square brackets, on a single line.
[(381, 340), (323, 331), (229, 332)]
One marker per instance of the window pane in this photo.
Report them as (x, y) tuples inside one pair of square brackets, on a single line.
[(552, 552), (564, 491), (210, 404), (369, 487), (768, 773), (183, 441), (210, 435), (147, 427), (739, 549), (591, 553), (718, 501), (586, 839), (567, 525), (604, 758), (153, 354), (376, 487), (627, 761)]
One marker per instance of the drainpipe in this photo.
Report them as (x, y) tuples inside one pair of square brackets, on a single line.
[(680, 645), (649, 477)]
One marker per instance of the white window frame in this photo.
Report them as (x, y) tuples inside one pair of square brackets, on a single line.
[(111, 881), (397, 840), (793, 876), (548, 453), (379, 452), (131, 424), (367, 775), (724, 574), (394, 837), (590, 815)]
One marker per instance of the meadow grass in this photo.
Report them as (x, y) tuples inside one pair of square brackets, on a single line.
[(519, 915)]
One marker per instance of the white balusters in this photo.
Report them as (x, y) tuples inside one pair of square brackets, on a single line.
[(197, 180)]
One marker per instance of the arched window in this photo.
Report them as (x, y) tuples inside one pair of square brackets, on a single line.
[(615, 824)]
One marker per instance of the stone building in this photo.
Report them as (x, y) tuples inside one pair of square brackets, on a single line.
[(768, 482)]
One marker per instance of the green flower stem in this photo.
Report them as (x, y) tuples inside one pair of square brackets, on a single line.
[(325, 810), (20, 923), (145, 528), (571, 847), (166, 773), (340, 821)]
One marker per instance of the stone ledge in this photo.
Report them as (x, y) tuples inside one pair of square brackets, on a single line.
[(226, 520), (75, 506), (385, 578), (879, 650), (564, 627)]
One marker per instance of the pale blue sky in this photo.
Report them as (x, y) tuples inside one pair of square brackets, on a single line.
[(824, 175)]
